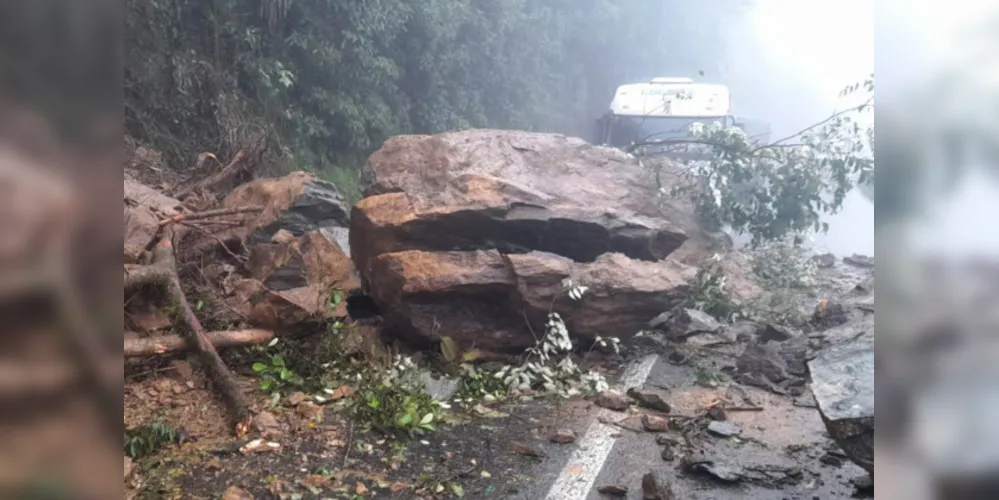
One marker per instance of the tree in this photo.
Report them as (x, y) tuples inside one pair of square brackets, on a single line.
[(782, 188)]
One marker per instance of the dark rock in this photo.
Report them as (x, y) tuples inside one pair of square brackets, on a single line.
[(825, 261), (613, 401), (656, 486), (843, 386), (724, 428), (298, 203), (526, 450), (761, 365), (723, 472), (563, 436), (858, 260), (649, 399), (613, 490), (668, 454), (717, 413), (776, 333)]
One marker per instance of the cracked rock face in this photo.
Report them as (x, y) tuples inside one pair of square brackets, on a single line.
[(472, 235)]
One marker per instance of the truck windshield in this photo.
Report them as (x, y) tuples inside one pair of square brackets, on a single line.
[(626, 130)]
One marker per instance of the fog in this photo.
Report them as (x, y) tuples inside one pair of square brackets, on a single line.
[(787, 62)]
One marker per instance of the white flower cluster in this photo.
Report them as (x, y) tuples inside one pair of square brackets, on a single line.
[(549, 366)]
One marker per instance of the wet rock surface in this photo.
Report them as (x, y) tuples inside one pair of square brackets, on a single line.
[(460, 234)]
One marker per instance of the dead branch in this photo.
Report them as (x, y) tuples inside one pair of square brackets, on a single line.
[(151, 346), (207, 214), (226, 173), (164, 259)]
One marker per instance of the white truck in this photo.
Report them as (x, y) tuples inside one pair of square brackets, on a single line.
[(663, 109)]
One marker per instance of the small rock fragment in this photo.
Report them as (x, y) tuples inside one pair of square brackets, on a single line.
[(652, 423), (613, 401), (649, 399), (129, 467), (668, 454), (825, 261), (863, 482), (296, 398), (563, 436), (526, 450), (724, 428), (613, 490), (316, 481), (267, 424), (720, 471), (776, 333), (656, 486), (236, 493), (717, 413), (858, 260), (309, 410)]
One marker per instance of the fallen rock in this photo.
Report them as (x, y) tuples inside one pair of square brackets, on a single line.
[(843, 386), (526, 450), (724, 428), (295, 284), (656, 486), (612, 401), (480, 299), (259, 446), (761, 365), (236, 493), (824, 261), (771, 332), (267, 424), (460, 233), (144, 208), (653, 423), (563, 436), (613, 490), (723, 472), (858, 260), (649, 399), (298, 203)]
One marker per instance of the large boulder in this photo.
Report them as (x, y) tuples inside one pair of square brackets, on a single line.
[(843, 385), (471, 235)]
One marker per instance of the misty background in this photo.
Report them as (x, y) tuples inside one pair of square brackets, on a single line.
[(327, 82)]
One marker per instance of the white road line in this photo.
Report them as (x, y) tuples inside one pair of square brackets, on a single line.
[(576, 480)]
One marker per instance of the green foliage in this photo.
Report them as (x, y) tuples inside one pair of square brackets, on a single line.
[(710, 293), (771, 191), (395, 401), (328, 81), (275, 375), (149, 438)]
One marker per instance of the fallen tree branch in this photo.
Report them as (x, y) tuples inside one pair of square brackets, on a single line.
[(207, 214), (218, 372), (151, 346), (226, 173)]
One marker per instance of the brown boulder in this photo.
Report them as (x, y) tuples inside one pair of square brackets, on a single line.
[(144, 208), (484, 299), (467, 234), (294, 283)]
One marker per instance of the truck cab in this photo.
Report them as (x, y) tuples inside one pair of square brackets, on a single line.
[(663, 109)]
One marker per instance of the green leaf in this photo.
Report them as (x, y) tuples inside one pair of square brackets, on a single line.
[(449, 349), (259, 367), (457, 490), (405, 420), (266, 384), (285, 374), (429, 417), (277, 360)]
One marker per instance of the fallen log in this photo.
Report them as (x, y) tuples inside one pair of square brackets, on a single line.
[(164, 263), (229, 171), (151, 346)]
